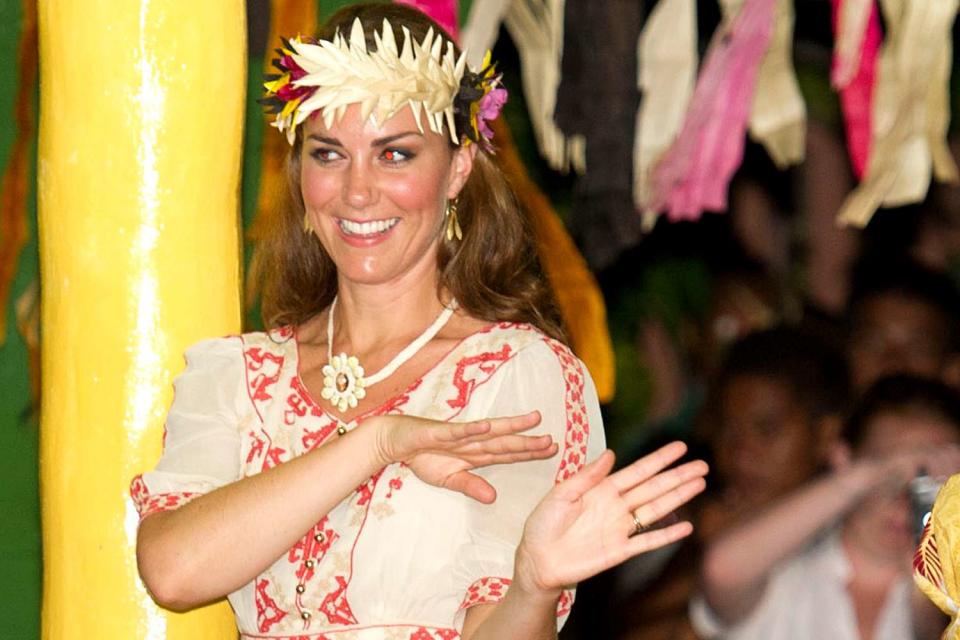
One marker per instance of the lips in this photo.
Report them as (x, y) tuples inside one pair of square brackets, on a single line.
[(368, 229)]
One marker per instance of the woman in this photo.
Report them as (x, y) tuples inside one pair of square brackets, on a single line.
[(325, 497), (788, 572)]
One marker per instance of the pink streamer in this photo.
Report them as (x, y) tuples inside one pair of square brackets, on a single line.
[(695, 172), (444, 12), (856, 99)]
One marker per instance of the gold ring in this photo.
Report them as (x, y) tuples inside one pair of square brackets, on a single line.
[(638, 526)]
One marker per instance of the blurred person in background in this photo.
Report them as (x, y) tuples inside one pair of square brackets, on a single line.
[(832, 560), (775, 407)]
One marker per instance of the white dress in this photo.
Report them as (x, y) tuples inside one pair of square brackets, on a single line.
[(397, 558), (807, 597)]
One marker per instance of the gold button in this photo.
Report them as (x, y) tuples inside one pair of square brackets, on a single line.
[(301, 588), (309, 564), (320, 537), (341, 430), (305, 615)]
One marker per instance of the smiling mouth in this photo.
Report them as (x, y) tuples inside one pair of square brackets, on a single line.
[(366, 229)]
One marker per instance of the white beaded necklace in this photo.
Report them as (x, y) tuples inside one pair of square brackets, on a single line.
[(343, 381)]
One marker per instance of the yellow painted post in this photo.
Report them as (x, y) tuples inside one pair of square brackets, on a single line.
[(141, 116)]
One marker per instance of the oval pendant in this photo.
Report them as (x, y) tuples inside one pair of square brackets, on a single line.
[(342, 382)]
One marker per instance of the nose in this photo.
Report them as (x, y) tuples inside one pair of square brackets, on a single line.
[(359, 190)]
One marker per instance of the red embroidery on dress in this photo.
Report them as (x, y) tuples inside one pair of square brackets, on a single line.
[(566, 602), (578, 428), (491, 590), (299, 403), (147, 504), (268, 613), (366, 490), (335, 605), (485, 591), (310, 548), (313, 439), (393, 404), (274, 457), (437, 634), (263, 371), (473, 371), (256, 449), (395, 485), (281, 334)]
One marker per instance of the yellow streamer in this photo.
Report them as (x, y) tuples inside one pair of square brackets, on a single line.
[(911, 110), (139, 160)]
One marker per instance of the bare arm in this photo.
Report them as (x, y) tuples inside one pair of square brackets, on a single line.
[(737, 565), (585, 525), (220, 541)]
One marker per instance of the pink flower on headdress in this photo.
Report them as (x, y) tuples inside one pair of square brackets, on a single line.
[(490, 107), (289, 92)]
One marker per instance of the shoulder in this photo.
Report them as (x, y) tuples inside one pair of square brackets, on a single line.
[(526, 344), (523, 352)]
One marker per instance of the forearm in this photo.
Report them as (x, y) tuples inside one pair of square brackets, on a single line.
[(521, 615), (737, 565), (220, 541)]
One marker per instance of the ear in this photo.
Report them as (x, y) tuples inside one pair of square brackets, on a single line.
[(460, 167)]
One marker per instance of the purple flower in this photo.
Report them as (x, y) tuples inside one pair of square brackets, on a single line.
[(490, 107)]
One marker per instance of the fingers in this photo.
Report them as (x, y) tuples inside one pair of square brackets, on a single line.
[(648, 466), (472, 486), (664, 482), (656, 538), (654, 510), (487, 459), (588, 477), (480, 430)]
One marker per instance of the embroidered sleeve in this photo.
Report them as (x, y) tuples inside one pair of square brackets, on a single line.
[(201, 449), (548, 378)]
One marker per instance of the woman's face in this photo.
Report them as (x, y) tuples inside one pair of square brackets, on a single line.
[(883, 524), (376, 196)]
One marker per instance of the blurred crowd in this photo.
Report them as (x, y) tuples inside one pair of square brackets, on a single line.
[(818, 370)]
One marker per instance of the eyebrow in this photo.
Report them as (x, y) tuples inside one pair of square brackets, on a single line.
[(379, 142)]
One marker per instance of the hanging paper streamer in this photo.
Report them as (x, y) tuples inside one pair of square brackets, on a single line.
[(856, 25), (911, 111), (14, 189), (444, 13), (574, 287), (536, 27), (778, 115), (138, 183), (288, 18), (667, 72), (694, 174)]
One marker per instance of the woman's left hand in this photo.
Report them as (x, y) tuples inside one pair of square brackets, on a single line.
[(591, 522)]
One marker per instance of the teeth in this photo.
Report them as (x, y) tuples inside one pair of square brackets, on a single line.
[(367, 228)]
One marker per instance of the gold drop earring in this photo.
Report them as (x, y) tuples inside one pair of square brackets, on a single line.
[(453, 224), (306, 224)]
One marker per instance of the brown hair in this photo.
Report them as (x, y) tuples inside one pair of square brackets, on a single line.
[(493, 273)]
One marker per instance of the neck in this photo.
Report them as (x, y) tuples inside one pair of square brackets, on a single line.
[(871, 563), (407, 307)]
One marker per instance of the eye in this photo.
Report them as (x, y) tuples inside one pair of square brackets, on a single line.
[(393, 155), (324, 155)]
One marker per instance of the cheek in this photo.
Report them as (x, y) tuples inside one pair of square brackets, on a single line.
[(316, 187), (416, 192)]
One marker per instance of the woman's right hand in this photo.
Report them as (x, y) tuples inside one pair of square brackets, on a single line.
[(445, 453)]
